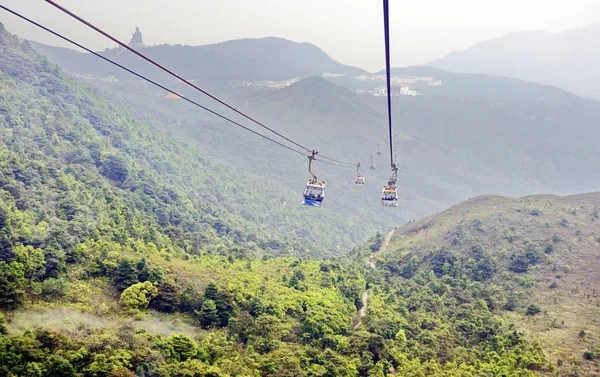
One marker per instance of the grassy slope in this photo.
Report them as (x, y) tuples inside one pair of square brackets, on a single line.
[(505, 227)]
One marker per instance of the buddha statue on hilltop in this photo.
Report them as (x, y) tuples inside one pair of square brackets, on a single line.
[(136, 39)]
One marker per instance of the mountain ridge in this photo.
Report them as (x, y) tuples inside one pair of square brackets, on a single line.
[(567, 60), (269, 58)]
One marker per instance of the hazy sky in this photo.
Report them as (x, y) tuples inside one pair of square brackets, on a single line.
[(350, 31)]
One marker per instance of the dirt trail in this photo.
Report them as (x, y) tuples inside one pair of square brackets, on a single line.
[(384, 246), (361, 313), (365, 297)]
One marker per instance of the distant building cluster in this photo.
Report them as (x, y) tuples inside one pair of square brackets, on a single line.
[(89, 76), (270, 84), (396, 91), (333, 75), (400, 85), (399, 79)]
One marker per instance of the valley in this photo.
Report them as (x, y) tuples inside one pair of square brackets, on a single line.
[(141, 237)]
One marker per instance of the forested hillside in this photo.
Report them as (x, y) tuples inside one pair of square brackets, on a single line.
[(57, 130), (533, 260)]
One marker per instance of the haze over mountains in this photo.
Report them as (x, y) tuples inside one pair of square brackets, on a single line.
[(568, 60), (474, 134)]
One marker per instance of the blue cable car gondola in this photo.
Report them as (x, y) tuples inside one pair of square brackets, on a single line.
[(314, 193)]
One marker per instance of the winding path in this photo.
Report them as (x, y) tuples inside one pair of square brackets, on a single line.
[(365, 296), (361, 313)]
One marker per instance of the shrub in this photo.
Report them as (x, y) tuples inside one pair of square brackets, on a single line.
[(53, 288), (532, 310), (59, 367), (138, 296), (519, 264), (589, 355)]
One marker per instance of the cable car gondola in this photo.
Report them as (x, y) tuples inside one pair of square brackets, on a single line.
[(372, 166), (314, 193), (389, 194), (360, 179)]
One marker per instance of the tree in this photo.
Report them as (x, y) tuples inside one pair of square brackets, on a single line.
[(55, 259), (168, 297), (299, 274), (294, 282), (144, 271), (53, 288), (58, 366), (12, 283), (6, 245), (224, 303), (138, 296), (115, 167), (6, 237), (126, 275), (208, 315), (3, 329), (211, 291), (256, 307), (189, 300), (183, 346)]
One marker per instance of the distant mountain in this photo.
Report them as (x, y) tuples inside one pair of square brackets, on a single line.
[(569, 60), (246, 59), (533, 260), (471, 135)]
